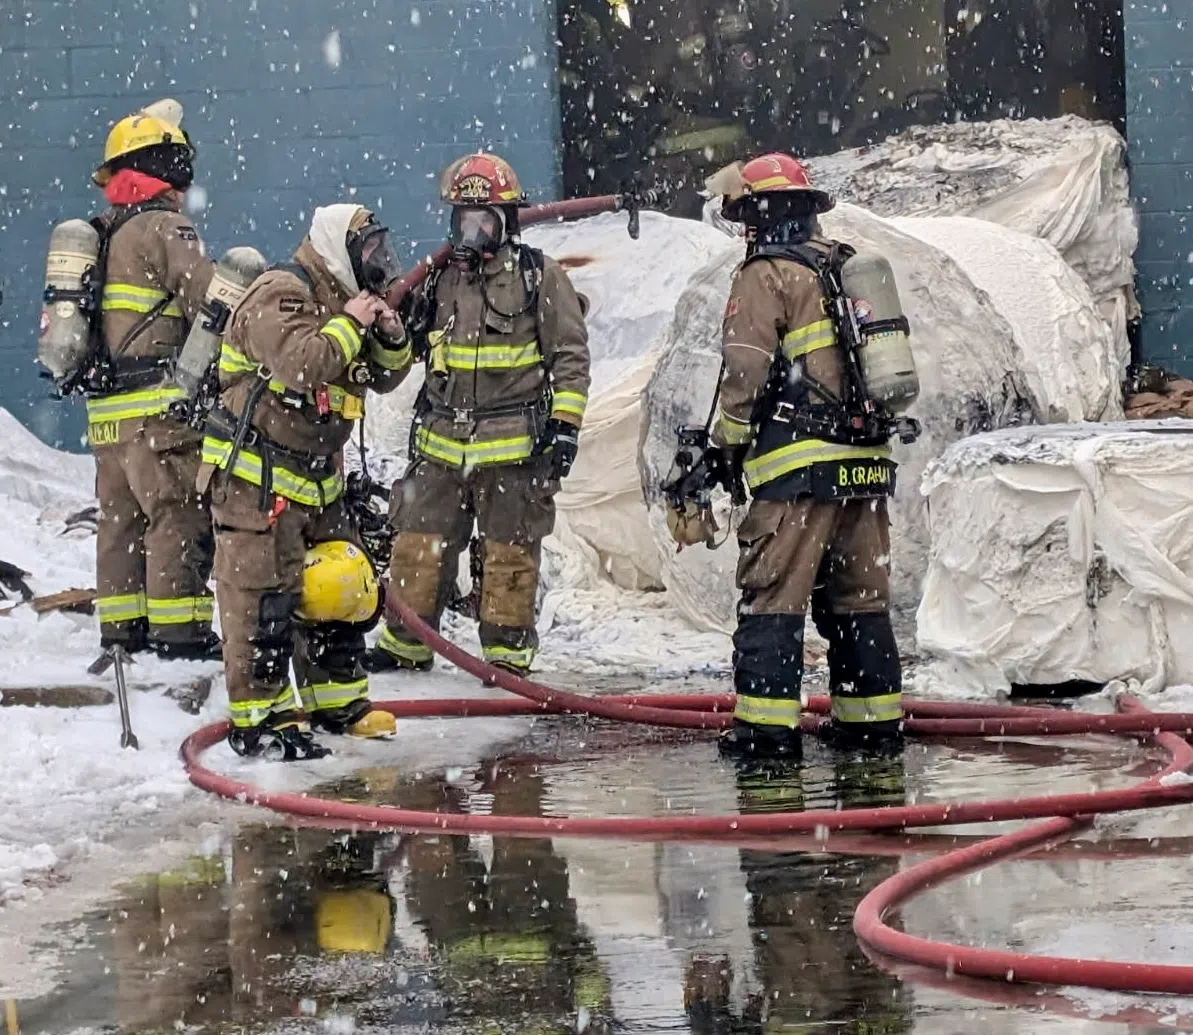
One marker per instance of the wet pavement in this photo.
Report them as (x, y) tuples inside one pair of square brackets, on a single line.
[(280, 929)]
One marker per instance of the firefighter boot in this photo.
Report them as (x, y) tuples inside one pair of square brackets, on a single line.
[(768, 666), (865, 680), (280, 738), (358, 719)]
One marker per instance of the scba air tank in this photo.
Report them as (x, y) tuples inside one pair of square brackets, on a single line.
[(888, 365), (67, 305), (233, 274)]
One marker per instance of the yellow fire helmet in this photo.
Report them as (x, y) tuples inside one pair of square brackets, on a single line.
[(356, 920), (157, 123), (338, 584)]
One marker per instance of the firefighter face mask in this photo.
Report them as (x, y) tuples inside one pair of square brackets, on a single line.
[(477, 233), (374, 260)]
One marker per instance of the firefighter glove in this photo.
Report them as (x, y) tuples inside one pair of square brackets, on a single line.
[(560, 441)]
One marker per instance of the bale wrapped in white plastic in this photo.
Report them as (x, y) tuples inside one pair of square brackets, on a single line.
[(978, 370), (1061, 553)]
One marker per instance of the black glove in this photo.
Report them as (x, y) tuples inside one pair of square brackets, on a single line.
[(725, 464), (561, 440)]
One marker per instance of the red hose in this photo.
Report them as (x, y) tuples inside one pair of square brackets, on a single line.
[(868, 922), (1068, 812)]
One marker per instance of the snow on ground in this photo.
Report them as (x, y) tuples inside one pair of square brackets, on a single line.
[(81, 812)]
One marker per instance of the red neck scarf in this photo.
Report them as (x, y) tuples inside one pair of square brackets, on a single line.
[(128, 187)]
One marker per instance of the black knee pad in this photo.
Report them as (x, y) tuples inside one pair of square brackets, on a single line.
[(273, 643), (335, 647), (768, 655)]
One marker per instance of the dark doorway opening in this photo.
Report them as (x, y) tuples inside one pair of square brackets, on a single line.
[(671, 90)]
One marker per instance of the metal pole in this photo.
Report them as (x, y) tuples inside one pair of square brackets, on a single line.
[(127, 737)]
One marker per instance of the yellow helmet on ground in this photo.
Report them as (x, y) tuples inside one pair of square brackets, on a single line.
[(152, 126), (338, 584), (357, 920)]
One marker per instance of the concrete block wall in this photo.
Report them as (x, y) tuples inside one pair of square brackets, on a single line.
[(292, 104), (1159, 81)]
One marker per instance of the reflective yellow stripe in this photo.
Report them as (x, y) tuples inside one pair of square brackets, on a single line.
[(523, 657), (404, 649), (809, 338), (252, 713), (500, 948), (472, 454), (135, 299), (767, 711), (145, 403), (343, 331), (234, 363), (390, 359), (307, 491), (767, 184), (571, 403), (766, 468), (317, 696), (127, 607), (492, 357), (883, 708), (180, 610), (731, 431)]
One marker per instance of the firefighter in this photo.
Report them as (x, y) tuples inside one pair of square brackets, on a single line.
[(154, 545), (293, 580), (496, 424), (816, 532)]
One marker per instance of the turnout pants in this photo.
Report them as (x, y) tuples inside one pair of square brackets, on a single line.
[(258, 573), (835, 556), (433, 511), (154, 545)]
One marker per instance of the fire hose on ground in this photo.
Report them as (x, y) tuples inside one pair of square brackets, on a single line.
[(1062, 815)]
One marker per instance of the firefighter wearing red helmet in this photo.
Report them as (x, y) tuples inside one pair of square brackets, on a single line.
[(496, 426), (812, 536)]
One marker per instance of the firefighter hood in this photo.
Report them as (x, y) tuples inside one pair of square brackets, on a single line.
[(329, 236)]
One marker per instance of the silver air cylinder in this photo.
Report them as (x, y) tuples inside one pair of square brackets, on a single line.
[(888, 365), (233, 274), (63, 342)]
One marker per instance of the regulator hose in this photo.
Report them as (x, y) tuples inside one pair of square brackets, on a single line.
[(1063, 814)]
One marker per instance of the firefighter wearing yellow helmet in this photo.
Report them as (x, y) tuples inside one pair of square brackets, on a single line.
[(294, 583), (154, 545)]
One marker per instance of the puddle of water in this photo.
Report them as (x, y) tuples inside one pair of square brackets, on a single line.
[(306, 930)]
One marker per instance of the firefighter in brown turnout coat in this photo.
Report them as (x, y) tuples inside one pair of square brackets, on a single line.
[(293, 581), (817, 531), (154, 547), (496, 425)]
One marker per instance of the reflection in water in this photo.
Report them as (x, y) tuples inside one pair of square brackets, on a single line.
[(306, 929)]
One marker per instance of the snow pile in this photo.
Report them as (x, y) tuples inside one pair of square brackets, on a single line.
[(1063, 180), (1061, 553), (1004, 333)]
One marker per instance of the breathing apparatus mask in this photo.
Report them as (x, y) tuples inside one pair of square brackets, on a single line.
[(476, 234), (374, 260), (779, 219)]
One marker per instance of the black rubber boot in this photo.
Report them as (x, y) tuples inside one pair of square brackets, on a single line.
[(210, 648), (378, 659), (132, 636), (746, 741), (337, 720), (280, 738), (881, 739)]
